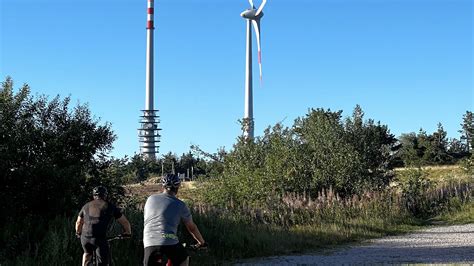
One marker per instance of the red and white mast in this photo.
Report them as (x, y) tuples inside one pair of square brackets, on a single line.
[(149, 132), (149, 56)]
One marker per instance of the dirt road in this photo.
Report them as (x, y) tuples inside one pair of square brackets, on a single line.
[(435, 245)]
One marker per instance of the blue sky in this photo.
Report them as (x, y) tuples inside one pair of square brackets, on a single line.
[(408, 63)]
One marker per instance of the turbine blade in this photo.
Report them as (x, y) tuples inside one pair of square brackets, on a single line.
[(256, 27), (261, 8), (251, 4)]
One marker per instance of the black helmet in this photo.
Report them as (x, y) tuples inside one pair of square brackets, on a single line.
[(99, 191), (170, 181)]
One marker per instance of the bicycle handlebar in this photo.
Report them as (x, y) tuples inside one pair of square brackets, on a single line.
[(202, 246), (118, 237)]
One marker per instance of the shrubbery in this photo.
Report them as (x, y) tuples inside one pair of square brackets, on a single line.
[(320, 151), (51, 155), (423, 149), (321, 181), (467, 165)]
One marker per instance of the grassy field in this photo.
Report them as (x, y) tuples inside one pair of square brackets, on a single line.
[(438, 174), (464, 215), (242, 233), (296, 224)]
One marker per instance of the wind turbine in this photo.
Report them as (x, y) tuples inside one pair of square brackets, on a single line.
[(253, 17)]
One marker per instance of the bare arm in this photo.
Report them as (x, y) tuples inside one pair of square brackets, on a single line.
[(194, 231), (79, 224), (125, 224)]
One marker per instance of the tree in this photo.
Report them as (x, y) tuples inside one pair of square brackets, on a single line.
[(411, 151), (170, 163), (375, 145), (333, 162), (140, 168), (456, 149), (423, 149), (467, 130), (209, 165), (50, 155), (318, 152), (437, 147)]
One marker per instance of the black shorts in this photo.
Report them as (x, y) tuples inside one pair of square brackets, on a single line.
[(176, 253), (100, 245)]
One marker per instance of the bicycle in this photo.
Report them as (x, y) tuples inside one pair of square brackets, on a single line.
[(162, 260), (95, 261)]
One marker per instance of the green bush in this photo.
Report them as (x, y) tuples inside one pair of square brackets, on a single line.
[(51, 156), (292, 223), (467, 165), (319, 152), (414, 188)]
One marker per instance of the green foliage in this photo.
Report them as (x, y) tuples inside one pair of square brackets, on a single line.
[(426, 195), (333, 162), (277, 193), (414, 187), (467, 130), (462, 215), (467, 165), (295, 223), (411, 150), (138, 169), (59, 246), (423, 149), (318, 152), (211, 165), (457, 150), (48, 152), (240, 231), (51, 156), (437, 151), (375, 145)]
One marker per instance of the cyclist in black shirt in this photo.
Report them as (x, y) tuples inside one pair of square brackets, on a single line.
[(92, 224)]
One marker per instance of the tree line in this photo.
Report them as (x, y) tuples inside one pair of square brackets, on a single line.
[(378, 148), (52, 154), (422, 149)]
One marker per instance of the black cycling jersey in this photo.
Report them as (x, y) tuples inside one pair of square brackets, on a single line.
[(97, 215)]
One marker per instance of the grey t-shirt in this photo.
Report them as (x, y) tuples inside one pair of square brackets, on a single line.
[(163, 213)]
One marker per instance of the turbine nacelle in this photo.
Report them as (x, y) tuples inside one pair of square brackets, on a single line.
[(251, 14)]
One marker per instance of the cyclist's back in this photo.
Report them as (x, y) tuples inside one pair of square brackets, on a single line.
[(163, 213), (92, 223), (97, 215)]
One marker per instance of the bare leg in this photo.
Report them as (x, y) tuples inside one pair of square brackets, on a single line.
[(186, 262), (86, 259)]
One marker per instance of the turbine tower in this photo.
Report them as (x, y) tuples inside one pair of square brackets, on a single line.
[(148, 133), (253, 17)]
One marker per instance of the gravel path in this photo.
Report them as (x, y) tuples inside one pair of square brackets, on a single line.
[(436, 245)]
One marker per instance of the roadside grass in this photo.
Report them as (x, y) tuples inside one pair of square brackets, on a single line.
[(463, 215), (438, 174), (293, 224), (299, 225), (239, 233), (231, 241)]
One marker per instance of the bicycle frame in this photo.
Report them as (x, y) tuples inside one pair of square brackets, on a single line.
[(94, 261), (162, 258), (161, 261)]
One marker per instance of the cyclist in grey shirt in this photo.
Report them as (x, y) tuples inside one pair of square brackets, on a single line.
[(163, 213)]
